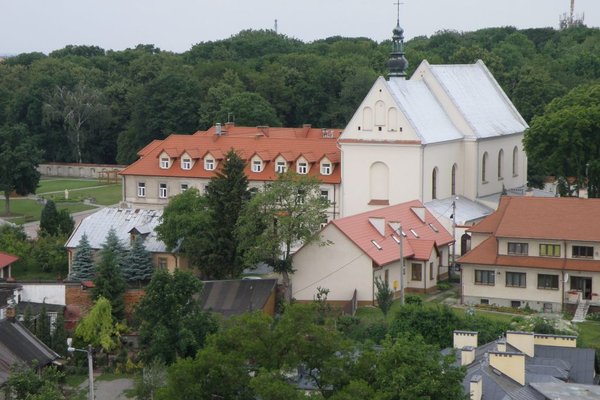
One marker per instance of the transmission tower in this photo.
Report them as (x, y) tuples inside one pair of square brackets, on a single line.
[(570, 20)]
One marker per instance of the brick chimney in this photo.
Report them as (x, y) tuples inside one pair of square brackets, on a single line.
[(476, 388), (524, 341), (509, 364), (464, 339)]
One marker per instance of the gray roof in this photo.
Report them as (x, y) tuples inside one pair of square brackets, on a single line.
[(467, 211), (123, 220), (571, 391), (581, 361), (479, 98), (18, 345), (422, 109), (233, 297)]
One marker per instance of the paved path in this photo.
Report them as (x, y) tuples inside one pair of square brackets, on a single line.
[(109, 390)]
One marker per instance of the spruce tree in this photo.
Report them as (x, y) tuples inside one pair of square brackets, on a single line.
[(138, 263), (49, 219), (83, 268), (42, 328), (28, 319), (59, 336), (226, 195), (109, 282)]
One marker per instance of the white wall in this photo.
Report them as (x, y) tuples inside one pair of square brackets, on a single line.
[(50, 293)]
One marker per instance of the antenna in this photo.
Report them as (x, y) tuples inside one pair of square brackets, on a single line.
[(275, 25)]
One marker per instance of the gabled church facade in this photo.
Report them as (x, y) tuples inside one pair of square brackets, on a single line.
[(449, 130)]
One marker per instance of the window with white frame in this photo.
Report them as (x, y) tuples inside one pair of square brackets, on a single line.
[(162, 191), (326, 169), (256, 165), (209, 164), (184, 187), (325, 194), (141, 189), (302, 168), (186, 163), (280, 167), (164, 162)]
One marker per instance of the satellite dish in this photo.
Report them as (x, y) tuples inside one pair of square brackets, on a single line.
[(566, 279)]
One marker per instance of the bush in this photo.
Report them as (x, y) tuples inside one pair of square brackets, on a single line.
[(412, 299), (593, 316), (445, 285)]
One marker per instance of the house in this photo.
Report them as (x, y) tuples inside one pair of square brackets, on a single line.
[(366, 246), (525, 365), (128, 224), (238, 296), (19, 346), (169, 167), (6, 262), (541, 252), (448, 130)]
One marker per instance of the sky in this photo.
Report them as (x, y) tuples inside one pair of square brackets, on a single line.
[(176, 25)]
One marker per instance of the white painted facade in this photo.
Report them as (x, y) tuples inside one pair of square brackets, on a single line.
[(49, 293)]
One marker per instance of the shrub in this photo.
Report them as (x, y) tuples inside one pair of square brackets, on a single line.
[(445, 285), (412, 299), (593, 316)]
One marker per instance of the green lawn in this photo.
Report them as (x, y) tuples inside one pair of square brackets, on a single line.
[(26, 210), (57, 185), (496, 316), (589, 333), (106, 195)]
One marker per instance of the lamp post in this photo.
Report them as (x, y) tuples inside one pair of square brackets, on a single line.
[(399, 241), (89, 352)]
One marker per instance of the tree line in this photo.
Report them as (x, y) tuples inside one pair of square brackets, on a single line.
[(108, 104)]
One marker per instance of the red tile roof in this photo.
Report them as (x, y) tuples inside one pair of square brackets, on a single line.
[(7, 259), (571, 219), (313, 143), (361, 232)]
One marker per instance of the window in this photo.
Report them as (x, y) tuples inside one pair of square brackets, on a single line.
[(162, 190), (550, 250), (484, 167), (416, 272), (547, 281), (141, 189), (253, 191), (256, 166), (485, 302), (516, 279), (434, 184), (485, 277), (500, 163), (162, 263), (326, 169), (519, 249), (301, 196), (302, 168), (184, 187), (583, 252), (515, 303), (280, 167), (164, 162), (453, 181), (209, 164), (431, 271), (325, 194), (186, 163), (515, 166)]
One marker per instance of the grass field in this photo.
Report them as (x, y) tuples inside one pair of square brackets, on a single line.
[(589, 333), (58, 185), (106, 195), (26, 210)]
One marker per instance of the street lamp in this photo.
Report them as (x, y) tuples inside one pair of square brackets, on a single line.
[(89, 352)]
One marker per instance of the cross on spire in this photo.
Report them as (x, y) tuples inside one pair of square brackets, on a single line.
[(398, 3)]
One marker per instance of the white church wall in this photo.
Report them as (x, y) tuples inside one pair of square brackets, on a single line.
[(443, 156), (404, 184), (494, 181), (340, 267)]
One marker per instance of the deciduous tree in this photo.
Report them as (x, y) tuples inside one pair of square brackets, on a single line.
[(98, 328)]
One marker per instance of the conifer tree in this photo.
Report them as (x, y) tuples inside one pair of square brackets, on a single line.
[(49, 219), (59, 336), (138, 263), (83, 268), (109, 282), (42, 328), (28, 319)]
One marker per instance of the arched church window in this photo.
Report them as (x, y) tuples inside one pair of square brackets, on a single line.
[(484, 166), (453, 181), (379, 181), (380, 113), (515, 163), (500, 163), (368, 119), (392, 119), (434, 175)]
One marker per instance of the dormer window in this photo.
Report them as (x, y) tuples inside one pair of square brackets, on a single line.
[(326, 169), (209, 164), (280, 167), (164, 162), (186, 163), (256, 166), (303, 168)]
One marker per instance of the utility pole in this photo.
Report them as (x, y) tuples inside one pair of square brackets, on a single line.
[(399, 241)]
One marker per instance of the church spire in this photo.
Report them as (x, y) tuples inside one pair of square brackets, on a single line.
[(397, 63)]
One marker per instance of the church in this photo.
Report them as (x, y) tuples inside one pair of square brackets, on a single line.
[(447, 131)]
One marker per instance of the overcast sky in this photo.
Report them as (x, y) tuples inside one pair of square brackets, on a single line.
[(175, 25)]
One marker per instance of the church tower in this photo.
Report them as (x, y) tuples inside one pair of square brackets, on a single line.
[(397, 63)]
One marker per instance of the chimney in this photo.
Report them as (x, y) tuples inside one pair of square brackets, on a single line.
[(467, 355), (523, 341), (218, 129), (501, 345), (264, 129), (464, 339), (509, 364), (476, 388), (306, 129), (11, 313)]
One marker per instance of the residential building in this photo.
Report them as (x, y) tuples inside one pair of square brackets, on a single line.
[(363, 247), (169, 167), (526, 365), (540, 252), (128, 224), (449, 130), (6, 262)]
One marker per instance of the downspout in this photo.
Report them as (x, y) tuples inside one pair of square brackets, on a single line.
[(562, 304), (422, 183), (425, 278)]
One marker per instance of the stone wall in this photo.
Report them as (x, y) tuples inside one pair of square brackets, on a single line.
[(74, 170)]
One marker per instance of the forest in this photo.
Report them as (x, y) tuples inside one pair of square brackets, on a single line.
[(107, 104)]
